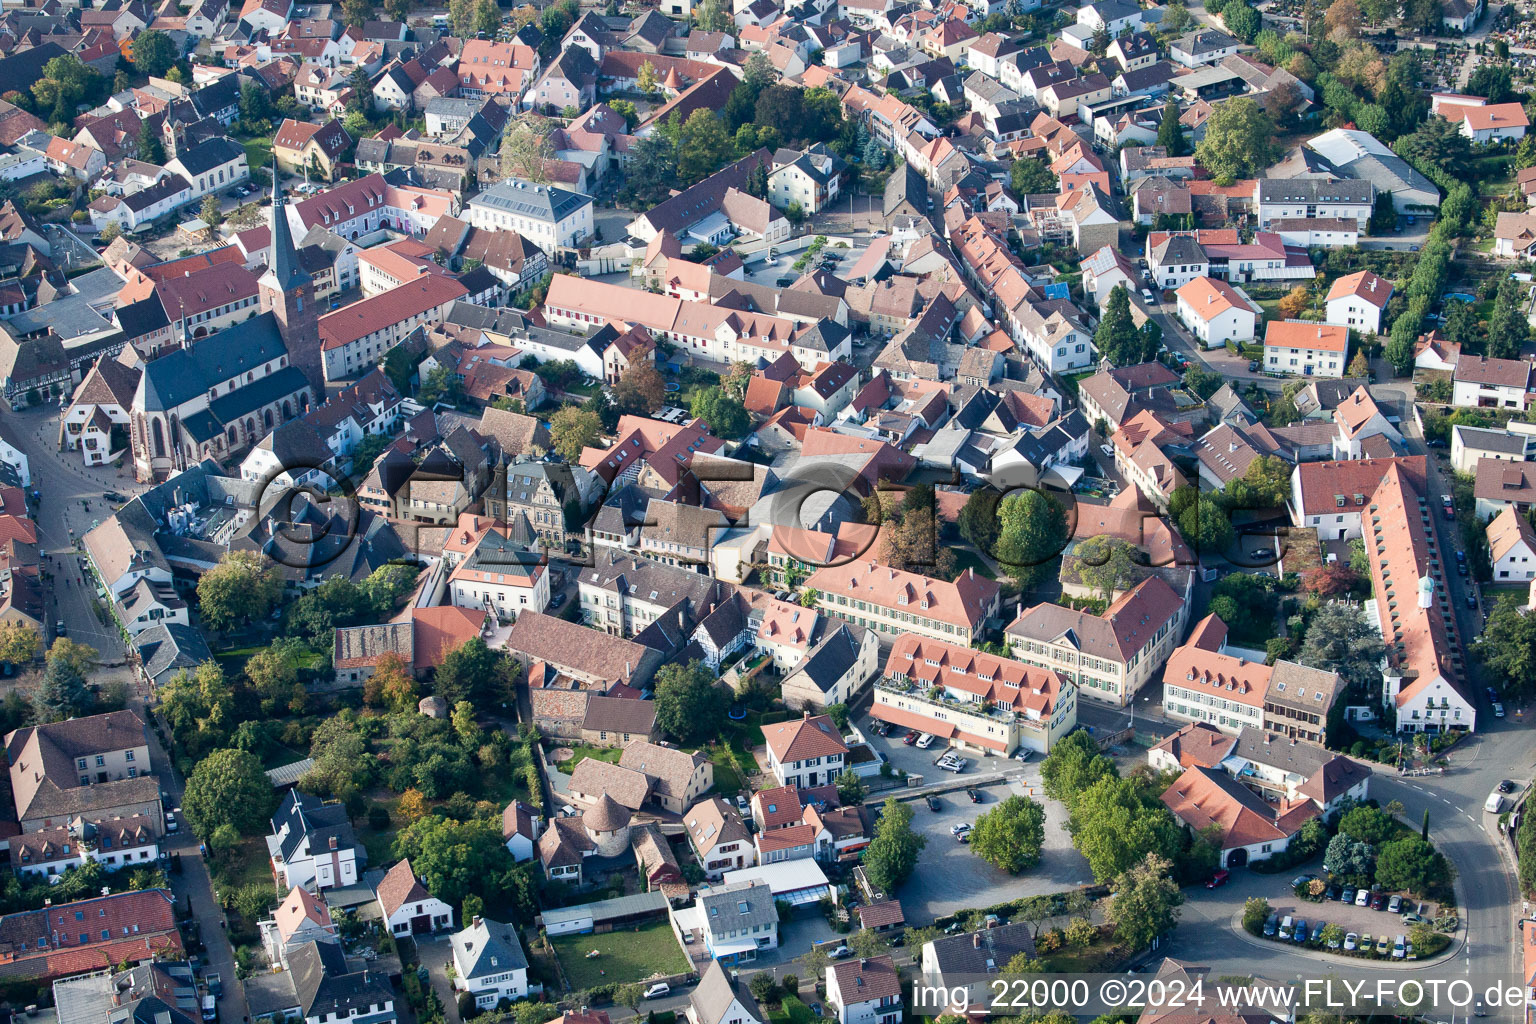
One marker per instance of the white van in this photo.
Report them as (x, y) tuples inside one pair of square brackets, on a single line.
[(1286, 927), (1495, 803)]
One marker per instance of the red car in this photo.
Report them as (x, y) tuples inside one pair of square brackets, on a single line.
[(910, 738), (1219, 878)]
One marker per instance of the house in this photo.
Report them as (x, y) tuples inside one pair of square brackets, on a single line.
[(520, 830), (320, 986), (733, 923), (489, 963), (962, 963), (1311, 198), (893, 601), (1480, 382), (1500, 485), (806, 751), (1216, 312), (114, 844), (1487, 122), (1359, 419), (498, 575), (1301, 346), (312, 844), (97, 767), (1251, 829), (971, 699), (1512, 546), (1471, 445), (865, 991), (720, 839), (811, 178), (1357, 301), (143, 207), (1331, 497), (832, 670), (146, 604), (591, 656), (1435, 352), (300, 147), (407, 907), (63, 939), (678, 778), (211, 165), (301, 918), (1105, 270), (1112, 655), (549, 216), (1202, 46)]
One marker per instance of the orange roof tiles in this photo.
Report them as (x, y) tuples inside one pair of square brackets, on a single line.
[(1305, 334), (1208, 796), (1209, 298), (1362, 285), (1026, 689), (962, 603), (805, 737)]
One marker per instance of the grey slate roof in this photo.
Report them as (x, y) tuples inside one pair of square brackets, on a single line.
[(537, 202), (830, 660), (712, 998), (487, 947), (163, 649), (1313, 190), (178, 377), (983, 952)]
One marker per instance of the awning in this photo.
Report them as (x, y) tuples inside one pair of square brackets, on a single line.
[(803, 897), (733, 946), (1062, 476)]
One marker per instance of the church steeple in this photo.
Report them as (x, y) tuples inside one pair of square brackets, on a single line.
[(287, 291)]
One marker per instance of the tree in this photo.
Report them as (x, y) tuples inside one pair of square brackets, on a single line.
[(1116, 337), (399, 10), (1074, 764), (472, 672), (1011, 835), (62, 694), (1116, 822), (1032, 531), (1330, 580), (18, 642), (229, 787), (210, 212), (1203, 383), (641, 390), (362, 93), (1146, 901), (647, 81), (1255, 913), (1239, 140), (978, 518), (154, 53), (64, 84), (457, 858), (151, 150), (1106, 564), (689, 706), (461, 15), (850, 788), (1411, 864), (1439, 150), (1242, 21), (1031, 176), (412, 805), (726, 416), (487, 17), (1367, 824), (1331, 935), (1206, 525), (1170, 132), (713, 16), (1343, 19), (572, 429), (1508, 328), (1299, 299), (1176, 18), (704, 146), (1507, 647), (241, 588), (274, 670), (652, 169), (526, 147), (356, 12), (1349, 858), (1340, 639), (1492, 81), (892, 853)]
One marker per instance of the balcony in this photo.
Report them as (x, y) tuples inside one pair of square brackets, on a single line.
[(943, 701)]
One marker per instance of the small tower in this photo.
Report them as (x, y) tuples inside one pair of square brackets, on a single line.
[(288, 293)]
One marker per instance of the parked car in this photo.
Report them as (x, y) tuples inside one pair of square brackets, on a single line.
[(215, 983), (1108, 450), (171, 824), (1379, 901), (1399, 947), (955, 830), (115, 497), (557, 600), (910, 738), (1022, 755), (1146, 295), (1471, 599), (658, 990), (1363, 898), (1332, 894), (1218, 879), (925, 741), (1271, 923), (1351, 941), (1395, 905), (1383, 946), (933, 803), (1299, 879), (1411, 918), (958, 765), (59, 629), (1300, 935), (1498, 709), (1506, 786), (840, 953), (1347, 896), (1332, 943), (975, 795)]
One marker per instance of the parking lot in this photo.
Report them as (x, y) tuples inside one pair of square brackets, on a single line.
[(949, 877), (921, 762), (1352, 918)]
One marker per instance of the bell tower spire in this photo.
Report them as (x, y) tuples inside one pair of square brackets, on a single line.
[(288, 293)]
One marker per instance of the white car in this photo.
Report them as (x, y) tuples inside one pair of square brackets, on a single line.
[(959, 829), (958, 765), (1146, 294), (840, 953), (1108, 450), (1351, 941), (925, 741), (1023, 755), (657, 990)]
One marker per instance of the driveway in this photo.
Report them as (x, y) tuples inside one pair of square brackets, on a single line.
[(434, 952), (950, 878)]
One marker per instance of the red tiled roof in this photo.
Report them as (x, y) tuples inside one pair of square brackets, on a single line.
[(804, 737)]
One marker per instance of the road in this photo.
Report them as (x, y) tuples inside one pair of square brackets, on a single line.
[(72, 504)]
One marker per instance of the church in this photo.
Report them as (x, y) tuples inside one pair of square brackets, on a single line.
[(220, 394)]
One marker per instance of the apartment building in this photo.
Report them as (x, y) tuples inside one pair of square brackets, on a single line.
[(893, 601)]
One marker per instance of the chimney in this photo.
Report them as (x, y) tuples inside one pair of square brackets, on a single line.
[(475, 923), (976, 941), (805, 714), (333, 842)]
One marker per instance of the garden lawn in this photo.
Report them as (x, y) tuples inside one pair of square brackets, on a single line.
[(1103, 954), (380, 845), (627, 955), (258, 153), (968, 559), (582, 751), (246, 865)]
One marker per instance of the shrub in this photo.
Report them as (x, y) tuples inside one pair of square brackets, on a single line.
[(378, 817)]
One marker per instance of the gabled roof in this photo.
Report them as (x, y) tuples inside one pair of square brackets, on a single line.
[(804, 737)]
